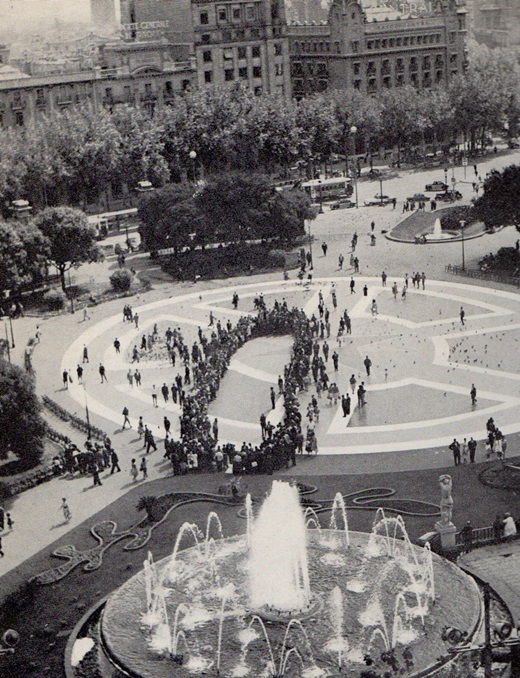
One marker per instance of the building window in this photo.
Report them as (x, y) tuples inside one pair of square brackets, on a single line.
[(399, 65), (453, 58), (452, 36), (336, 46), (242, 72), (240, 34), (357, 68), (207, 57), (371, 68), (250, 13), (385, 67), (438, 76), (399, 80), (255, 51), (413, 64), (414, 79), (419, 39), (383, 43), (208, 76), (228, 54), (406, 40), (229, 74), (255, 32), (257, 71), (426, 63), (206, 38), (226, 36), (357, 84), (278, 49), (242, 53), (18, 118), (236, 13), (355, 46), (386, 82), (167, 88), (258, 90), (278, 69), (222, 15), (204, 18), (370, 44), (391, 42), (372, 85), (298, 84)]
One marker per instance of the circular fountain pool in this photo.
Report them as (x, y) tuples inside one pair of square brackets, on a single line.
[(375, 592)]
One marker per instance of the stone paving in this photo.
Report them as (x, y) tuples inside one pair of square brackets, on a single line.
[(63, 338)]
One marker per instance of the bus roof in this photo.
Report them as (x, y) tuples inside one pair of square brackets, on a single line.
[(324, 182)]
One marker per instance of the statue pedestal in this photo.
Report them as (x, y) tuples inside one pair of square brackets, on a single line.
[(447, 534)]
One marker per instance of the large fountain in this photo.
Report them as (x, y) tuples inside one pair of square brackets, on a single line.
[(288, 598)]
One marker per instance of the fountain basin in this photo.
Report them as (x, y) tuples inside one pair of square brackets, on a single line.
[(244, 652)]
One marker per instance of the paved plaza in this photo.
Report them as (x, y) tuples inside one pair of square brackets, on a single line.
[(423, 361)]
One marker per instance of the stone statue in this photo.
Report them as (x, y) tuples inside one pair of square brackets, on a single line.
[(446, 499)]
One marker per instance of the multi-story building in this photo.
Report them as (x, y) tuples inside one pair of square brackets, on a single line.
[(149, 74), (370, 48), (104, 13), (497, 22), (242, 41)]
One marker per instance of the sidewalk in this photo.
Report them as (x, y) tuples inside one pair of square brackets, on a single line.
[(499, 565)]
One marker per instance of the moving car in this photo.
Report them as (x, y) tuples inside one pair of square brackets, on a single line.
[(340, 204), (449, 196), (418, 197), (436, 186), (380, 200)]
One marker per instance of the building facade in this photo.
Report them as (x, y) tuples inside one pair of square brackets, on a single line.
[(243, 42), (147, 74), (355, 49), (496, 23)]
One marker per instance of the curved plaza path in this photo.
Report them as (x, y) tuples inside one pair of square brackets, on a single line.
[(410, 417)]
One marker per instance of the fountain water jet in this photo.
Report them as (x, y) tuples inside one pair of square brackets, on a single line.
[(278, 567)]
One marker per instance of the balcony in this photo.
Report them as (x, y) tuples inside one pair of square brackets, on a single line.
[(64, 100), (18, 104)]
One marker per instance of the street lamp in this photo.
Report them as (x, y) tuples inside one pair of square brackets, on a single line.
[(310, 245), (7, 343), (462, 226), (353, 132), (87, 412), (12, 333), (193, 157)]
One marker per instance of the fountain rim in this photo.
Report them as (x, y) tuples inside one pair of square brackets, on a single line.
[(425, 672)]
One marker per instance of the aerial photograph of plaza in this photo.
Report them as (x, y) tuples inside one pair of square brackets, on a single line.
[(259, 338)]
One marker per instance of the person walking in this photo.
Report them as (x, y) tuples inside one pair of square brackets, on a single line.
[(273, 398), (137, 377), (395, 290), (85, 354), (345, 404), (95, 475), (102, 372), (462, 315), (140, 427), (65, 377), (117, 345), (136, 320), (165, 392), (455, 448), (473, 394), (373, 307), (167, 425), (79, 373), (352, 286), (126, 420), (154, 397), (403, 293), (144, 468), (214, 428), (114, 460), (368, 364), (66, 510), (324, 248), (383, 278), (356, 265), (134, 471), (335, 360), (10, 522), (472, 447), (353, 382), (341, 259), (130, 378), (467, 536), (361, 395), (149, 440)]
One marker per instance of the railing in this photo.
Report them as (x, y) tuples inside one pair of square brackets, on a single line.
[(484, 275), (482, 536)]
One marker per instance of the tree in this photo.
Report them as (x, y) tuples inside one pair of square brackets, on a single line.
[(500, 203), (22, 254), (21, 424), (71, 241), (157, 213)]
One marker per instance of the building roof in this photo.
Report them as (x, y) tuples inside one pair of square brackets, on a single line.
[(10, 73)]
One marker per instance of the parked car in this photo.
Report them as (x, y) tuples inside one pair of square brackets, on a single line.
[(340, 204), (379, 200), (436, 186), (449, 196), (513, 143)]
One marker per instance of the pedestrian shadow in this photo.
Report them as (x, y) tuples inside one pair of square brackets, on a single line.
[(135, 440), (90, 487), (58, 525), (131, 484)]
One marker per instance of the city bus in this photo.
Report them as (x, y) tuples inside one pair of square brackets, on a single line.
[(321, 190), (104, 222)]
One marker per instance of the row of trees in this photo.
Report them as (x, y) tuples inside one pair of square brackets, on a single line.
[(232, 207), (73, 156)]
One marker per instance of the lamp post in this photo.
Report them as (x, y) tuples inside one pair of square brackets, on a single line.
[(193, 158), (462, 225), (353, 132), (87, 412), (310, 244), (7, 343), (446, 175), (12, 333)]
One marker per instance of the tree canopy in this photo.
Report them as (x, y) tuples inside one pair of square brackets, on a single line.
[(70, 238), (500, 203), (22, 426)]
